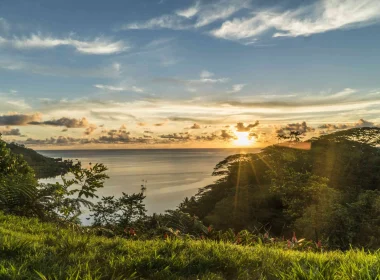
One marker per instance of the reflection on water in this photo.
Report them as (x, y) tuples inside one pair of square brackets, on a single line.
[(171, 175)]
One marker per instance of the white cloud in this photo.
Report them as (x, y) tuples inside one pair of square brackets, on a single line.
[(206, 74), (209, 81), (344, 93), (113, 88), (3, 41), (203, 15), (98, 46), (219, 10), (237, 88), (189, 12), (174, 22), (137, 89), (323, 16), (206, 77), (116, 66)]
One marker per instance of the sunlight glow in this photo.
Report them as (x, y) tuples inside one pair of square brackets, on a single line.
[(243, 139)]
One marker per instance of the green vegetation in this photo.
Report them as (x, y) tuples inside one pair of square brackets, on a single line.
[(325, 189), (44, 167), (244, 226), (30, 249)]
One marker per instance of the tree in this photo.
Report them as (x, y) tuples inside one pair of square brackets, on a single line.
[(18, 190), (119, 212), (66, 200)]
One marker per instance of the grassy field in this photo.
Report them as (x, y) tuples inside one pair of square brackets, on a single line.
[(33, 250)]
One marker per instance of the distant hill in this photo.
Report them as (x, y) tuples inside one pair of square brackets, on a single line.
[(44, 167)]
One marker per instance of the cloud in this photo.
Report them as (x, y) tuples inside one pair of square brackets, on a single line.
[(198, 120), (176, 136), (240, 127), (195, 126), (364, 123), (19, 119), (195, 16), (113, 88), (320, 17), (358, 124), (236, 88), (60, 141), (227, 135), (97, 46), (67, 122), (344, 93), (159, 124), (174, 22), (190, 11), (205, 77), (298, 127), (110, 116), (10, 131), (207, 137), (116, 136), (330, 126), (89, 130), (206, 74), (219, 10)]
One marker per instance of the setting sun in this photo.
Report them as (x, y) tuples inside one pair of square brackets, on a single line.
[(243, 139)]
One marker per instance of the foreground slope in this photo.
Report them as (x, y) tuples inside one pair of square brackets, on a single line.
[(33, 250)]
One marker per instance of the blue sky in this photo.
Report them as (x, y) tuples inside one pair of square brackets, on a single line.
[(170, 73)]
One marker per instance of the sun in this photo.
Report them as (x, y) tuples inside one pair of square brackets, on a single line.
[(243, 139)]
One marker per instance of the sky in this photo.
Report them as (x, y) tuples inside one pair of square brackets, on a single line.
[(172, 74)]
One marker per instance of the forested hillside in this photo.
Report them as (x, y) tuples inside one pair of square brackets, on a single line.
[(44, 167), (327, 188)]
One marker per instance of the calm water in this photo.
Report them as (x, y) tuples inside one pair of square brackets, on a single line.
[(171, 175)]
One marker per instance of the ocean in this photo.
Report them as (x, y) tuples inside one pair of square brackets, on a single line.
[(170, 174)]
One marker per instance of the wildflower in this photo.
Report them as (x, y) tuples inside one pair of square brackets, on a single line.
[(294, 238), (132, 232)]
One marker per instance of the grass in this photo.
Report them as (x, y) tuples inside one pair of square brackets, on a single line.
[(30, 249)]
